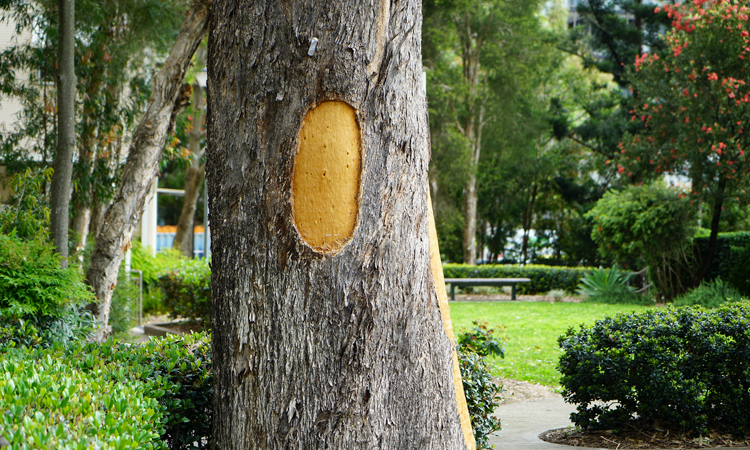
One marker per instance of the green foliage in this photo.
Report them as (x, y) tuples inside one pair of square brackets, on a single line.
[(711, 294), (685, 367), (481, 340), (123, 314), (650, 225), (543, 278), (609, 286), (731, 260), (154, 266), (176, 371), (693, 105), (27, 211), (187, 291), (32, 282), (481, 397), (49, 403)]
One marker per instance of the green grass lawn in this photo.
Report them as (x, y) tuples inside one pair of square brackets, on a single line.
[(530, 331)]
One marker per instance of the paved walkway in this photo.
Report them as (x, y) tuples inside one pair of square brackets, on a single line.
[(524, 421)]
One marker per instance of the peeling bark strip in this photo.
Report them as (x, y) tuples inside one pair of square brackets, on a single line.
[(315, 350), (325, 184), (168, 98)]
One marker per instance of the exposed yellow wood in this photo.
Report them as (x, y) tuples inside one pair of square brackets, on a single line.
[(326, 181), (437, 274)]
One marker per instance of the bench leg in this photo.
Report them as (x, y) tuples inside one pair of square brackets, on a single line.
[(453, 291), (512, 291)]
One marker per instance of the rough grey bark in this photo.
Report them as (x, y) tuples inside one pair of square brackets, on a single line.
[(168, 98), (312, 350), (66, 138), (183, 238)]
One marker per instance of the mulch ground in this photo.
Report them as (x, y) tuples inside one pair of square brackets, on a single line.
[(635, 436)]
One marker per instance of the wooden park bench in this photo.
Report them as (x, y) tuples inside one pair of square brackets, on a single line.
[(464, 282)]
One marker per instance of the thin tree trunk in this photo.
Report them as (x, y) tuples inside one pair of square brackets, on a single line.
[(528, 216), (168, 97), (323, 341), (193, 177), (473, 133), (712, 238), (66, 138)]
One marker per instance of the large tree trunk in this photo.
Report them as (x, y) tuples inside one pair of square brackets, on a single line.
[(168, 97), (326, 329), (66, 137)]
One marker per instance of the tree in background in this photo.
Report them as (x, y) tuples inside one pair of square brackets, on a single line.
[(480, 57), (117, 44), (195, 170), (693, 108), (609, 35), (169, 97)]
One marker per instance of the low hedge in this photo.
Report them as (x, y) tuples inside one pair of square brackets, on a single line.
[(187, 291), (49, 403), (685, 367), (177, 372), (111, 395), (543, 278)]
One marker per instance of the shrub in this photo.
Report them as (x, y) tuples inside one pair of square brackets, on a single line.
[(543, 278), (481, 396), (609, 286), (556, 294), (32, 282), (684, 367), (39, 301), (187, 291), (27, 213), (481, 340), (481, 393), (178, 374), (651, 225), (154, 266), (49, 403), (710, 295)]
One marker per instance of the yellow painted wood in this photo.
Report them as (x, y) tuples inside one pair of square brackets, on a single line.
[(326, 181), (436, 267)]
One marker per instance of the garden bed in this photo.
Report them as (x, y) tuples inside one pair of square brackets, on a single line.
[(640, 437)]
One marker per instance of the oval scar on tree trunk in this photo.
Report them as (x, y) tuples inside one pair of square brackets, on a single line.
[(326, 179)]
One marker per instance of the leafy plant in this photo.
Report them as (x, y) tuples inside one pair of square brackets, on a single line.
[(27, 212), (481, 393), (32, 281), (556, 294), (176, 371), (608, 286), (684, 367), (481, 340), (481, 396), (187, 291), (49, 403), (711, 294), (650, 225)]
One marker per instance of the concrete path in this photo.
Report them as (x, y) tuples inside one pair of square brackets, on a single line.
[(524, 421)]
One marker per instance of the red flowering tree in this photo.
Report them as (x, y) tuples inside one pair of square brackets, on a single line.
[(694, 106)]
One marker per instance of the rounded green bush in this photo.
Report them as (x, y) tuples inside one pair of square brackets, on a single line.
[(685, 367)]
